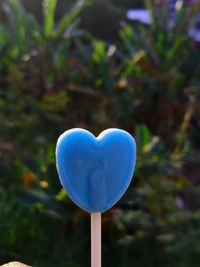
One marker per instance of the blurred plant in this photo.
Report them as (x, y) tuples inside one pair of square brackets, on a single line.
[(161, 66)]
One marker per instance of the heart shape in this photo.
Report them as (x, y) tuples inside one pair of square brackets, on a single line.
[(95, 172)]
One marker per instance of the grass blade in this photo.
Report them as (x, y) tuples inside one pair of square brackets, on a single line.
[(49, 12), (69, 18)]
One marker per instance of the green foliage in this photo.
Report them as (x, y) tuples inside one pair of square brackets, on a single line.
[(49, 11), (55, 76)]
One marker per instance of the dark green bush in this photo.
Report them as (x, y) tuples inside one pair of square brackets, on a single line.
[(54, 76)]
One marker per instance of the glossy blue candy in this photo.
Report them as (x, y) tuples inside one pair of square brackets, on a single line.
[(95, 172)]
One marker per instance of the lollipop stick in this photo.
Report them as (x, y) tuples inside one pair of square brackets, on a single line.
[(96, 239)]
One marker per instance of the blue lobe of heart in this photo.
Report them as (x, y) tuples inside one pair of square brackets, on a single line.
[(95, 172)]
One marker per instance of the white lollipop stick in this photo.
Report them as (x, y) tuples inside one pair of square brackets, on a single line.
[(95, 239)]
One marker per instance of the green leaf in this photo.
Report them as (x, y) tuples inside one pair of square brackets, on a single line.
[(21, 27), (53, 104), (143, 136), (151, 7), (17, 19), (126, 35), (49, 14), (61, 195), (69, 18), (99, 51), (3, 36)]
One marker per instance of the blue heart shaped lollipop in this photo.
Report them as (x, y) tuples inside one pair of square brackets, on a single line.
[(95, 172)]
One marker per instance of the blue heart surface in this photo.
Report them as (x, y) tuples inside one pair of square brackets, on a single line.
[(95, 171)]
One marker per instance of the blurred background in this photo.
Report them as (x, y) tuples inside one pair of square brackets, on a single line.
[(99, 64)]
